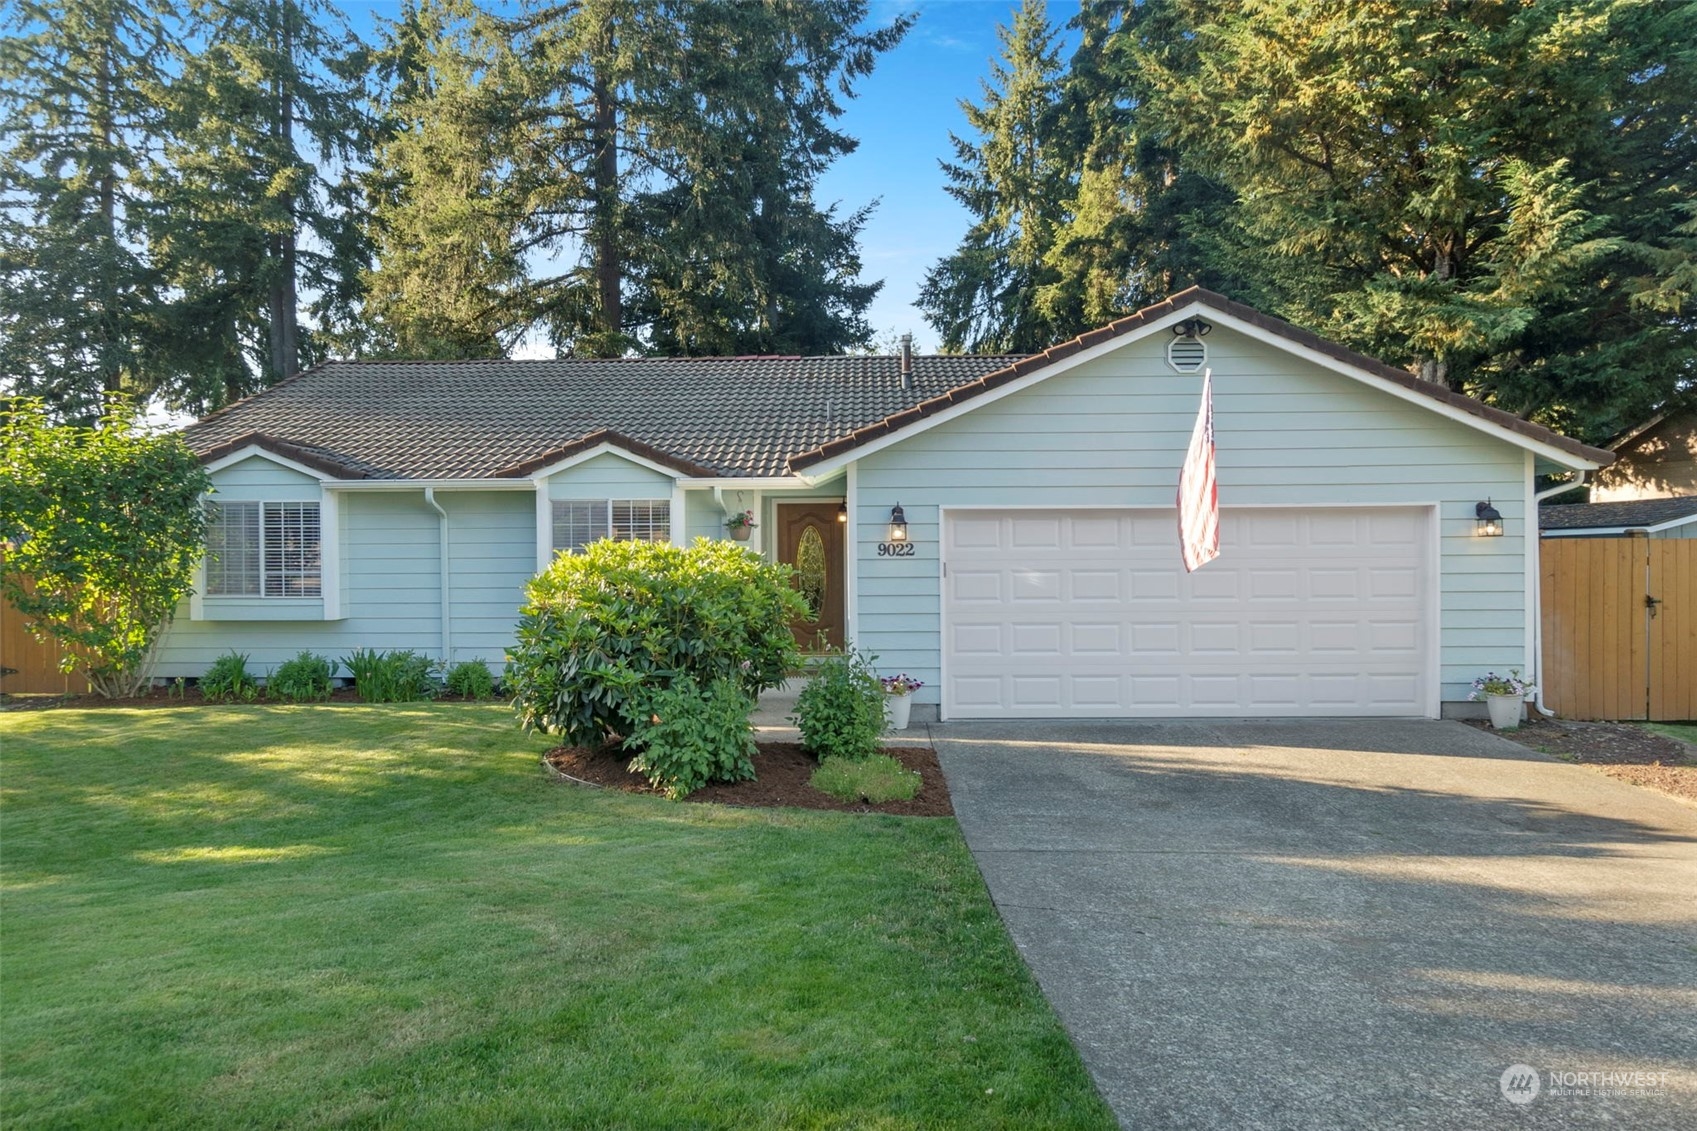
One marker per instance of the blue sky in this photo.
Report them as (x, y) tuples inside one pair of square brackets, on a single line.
[(902, 116)]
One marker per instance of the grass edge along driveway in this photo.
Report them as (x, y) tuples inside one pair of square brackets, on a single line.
[(361, 915)]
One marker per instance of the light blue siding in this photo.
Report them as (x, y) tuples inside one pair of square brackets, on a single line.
[(609, 476), (702, 517), (257, 479), (1112, 432), (391, 595), (492, 553)]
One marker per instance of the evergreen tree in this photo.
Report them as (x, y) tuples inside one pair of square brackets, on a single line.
[(79, 131), (1493, 193), (253, 210), (631, 173), (1014, 180)]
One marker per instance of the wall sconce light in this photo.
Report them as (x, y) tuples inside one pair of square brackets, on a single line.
[(898, 524), (1191, 328), (842, 512), (1488, 521)]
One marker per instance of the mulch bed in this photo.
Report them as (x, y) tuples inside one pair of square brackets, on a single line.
[(1620, 750), (781, 773)]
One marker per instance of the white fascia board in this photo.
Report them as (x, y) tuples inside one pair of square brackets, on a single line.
[(1373, 380), (605, 448), (254, 450), (1325, 361), (421, 484), (819, 472), (752, 482)]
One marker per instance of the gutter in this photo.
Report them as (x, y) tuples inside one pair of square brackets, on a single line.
[(1537, 610), (442, 557)]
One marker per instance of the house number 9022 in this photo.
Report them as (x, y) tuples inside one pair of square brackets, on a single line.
[(895, 549)]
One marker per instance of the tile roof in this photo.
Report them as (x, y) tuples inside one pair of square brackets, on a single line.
[(1194, 296), (493, 419), (1632, 513)]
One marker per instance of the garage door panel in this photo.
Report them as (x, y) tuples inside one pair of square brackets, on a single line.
[(1088, 613)]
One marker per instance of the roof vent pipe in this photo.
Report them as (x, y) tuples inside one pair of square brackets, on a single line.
[(907, 361)]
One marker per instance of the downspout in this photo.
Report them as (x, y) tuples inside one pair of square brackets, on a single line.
[(442, 556), (1537, 610)]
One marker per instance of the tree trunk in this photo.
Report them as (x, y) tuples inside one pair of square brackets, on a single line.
[(111, 369), (605, 139), (285, 335)]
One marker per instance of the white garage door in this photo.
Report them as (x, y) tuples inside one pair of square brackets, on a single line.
[(1089, 614)]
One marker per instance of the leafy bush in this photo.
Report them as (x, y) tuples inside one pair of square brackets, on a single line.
[(303, 678), (841, 710), (601, 628), (873, 780), (229, 679), (390, 677), (687, 737), (470, 679)]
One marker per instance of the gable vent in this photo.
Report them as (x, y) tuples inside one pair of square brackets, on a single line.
[(1187, 355)]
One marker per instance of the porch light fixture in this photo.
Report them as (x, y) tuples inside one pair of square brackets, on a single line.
[(898, 524), (842, 512), (1488, 521)]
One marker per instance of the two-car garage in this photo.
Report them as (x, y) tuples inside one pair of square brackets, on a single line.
[(1089, 614)]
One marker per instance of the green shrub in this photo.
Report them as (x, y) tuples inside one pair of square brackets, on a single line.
[(602, 627), (306, 677), (470, 679), (874, 780), (841, 710), (687, 737), (390, 677), (228, 679)]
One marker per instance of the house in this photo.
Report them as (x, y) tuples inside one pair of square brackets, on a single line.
[(1657, 518), (1001, 527), (1656, 460)]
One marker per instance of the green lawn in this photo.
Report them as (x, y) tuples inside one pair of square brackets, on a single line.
[(1686, 732), (389, 916)]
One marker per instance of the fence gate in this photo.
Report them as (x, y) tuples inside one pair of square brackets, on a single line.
[(1620, 628)]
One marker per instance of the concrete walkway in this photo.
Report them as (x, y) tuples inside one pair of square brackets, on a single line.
[(1340, 924)]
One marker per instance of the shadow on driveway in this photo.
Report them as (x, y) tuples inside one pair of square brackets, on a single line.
[(1341, 924)]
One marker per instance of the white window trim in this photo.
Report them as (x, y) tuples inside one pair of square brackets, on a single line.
[(545, 549), (329, 563)]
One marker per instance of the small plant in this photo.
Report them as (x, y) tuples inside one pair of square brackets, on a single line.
[(903, 684), (688, 737), (1493, 684), (228, 680), (390, 677), (178, 688), (470, 679), (743, 521), (873, 780), (305, 678), (841, 710)]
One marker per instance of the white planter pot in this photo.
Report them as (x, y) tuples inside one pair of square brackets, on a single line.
[(898, 708), (1505, 711)]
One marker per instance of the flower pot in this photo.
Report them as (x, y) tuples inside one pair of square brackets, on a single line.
[(898, 708), (740, 533), (1505, 711)]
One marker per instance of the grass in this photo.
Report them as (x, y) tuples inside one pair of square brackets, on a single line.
[(361, 916), (1686, 732), (876, 780)]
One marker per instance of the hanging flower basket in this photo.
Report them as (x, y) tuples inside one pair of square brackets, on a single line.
[(739, 525)]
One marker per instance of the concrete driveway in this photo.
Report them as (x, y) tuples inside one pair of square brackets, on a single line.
[(1342, 924)]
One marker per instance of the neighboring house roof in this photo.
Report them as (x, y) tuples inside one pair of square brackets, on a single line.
[(1195, 296), (1634, 514), (703, 417), (494, 419)]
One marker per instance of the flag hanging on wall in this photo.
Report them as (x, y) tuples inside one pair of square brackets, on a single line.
[(1198, 493)]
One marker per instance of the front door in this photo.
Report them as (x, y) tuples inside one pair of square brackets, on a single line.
[(810, 539)]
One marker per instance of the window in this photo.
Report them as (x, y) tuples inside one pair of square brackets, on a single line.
[(578, 522), (262, 550)]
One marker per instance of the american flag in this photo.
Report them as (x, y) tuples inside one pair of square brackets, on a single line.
[(1198, 492)]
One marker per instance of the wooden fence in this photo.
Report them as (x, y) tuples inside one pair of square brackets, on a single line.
[(36, 664), (1620, 628)]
